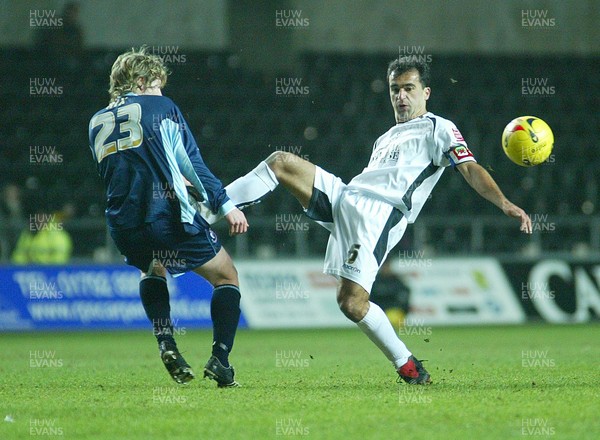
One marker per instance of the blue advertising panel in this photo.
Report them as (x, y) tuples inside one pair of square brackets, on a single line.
[(93, 297)]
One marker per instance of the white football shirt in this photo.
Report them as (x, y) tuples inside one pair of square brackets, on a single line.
[(409, 159)]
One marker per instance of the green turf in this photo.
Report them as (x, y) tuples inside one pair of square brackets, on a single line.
[(326, 384)]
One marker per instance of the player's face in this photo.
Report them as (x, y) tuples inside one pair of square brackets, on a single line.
[(408, 96)]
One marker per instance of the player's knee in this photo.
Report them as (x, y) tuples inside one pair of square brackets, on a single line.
[(155, 269), (228, 275), (353, 306), (232, 275), (279, 162), (353, 300)]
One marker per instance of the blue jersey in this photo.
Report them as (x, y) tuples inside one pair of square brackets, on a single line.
[(143, 149)]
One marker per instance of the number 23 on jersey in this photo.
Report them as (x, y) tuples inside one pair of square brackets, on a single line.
[(119, 130)]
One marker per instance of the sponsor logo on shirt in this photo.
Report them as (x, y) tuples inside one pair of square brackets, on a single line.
[(460, 154), (457, 135), (351, 268)]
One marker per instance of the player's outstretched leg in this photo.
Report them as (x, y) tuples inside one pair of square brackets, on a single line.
[(245, 191), (155, 299), (294, 173), (354, 303), (225, 315)]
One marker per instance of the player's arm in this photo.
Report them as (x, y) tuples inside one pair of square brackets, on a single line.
[(236, 218), (194, 170), (486, 186), (200, 177)]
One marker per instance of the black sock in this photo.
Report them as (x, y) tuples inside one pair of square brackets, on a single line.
[(155, 299), (225, 314)]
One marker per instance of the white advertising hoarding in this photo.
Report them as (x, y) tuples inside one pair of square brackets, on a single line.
[(288, 294), (448, 291), (453, 291)]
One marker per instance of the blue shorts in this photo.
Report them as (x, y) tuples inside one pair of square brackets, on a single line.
[(178, 249)]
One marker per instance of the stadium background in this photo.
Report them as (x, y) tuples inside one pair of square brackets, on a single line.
[(232, 64), (309, 77)]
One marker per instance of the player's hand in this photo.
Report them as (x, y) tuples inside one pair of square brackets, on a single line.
[(237, 222), (193, 194), (512, 210)]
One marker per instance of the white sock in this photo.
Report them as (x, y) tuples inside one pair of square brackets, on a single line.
[(245, 191), (249, 189), (378, 328)]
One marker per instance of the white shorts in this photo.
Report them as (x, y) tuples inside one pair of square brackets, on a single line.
[(363, 229)]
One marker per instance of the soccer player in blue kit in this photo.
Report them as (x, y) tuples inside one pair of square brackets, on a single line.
[(146, 154)]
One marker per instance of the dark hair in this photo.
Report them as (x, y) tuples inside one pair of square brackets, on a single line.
[(406, 63)]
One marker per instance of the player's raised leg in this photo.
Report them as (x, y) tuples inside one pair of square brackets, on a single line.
[(353, 301), (225, 314), (294, 173), (154, 294)]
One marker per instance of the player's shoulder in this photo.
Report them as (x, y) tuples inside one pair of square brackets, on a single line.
[(386, 135), (94, 117), (444, 128), (446, 131), (162, 104), (99, 112), (439, 121), (146, 101), (154, 103)]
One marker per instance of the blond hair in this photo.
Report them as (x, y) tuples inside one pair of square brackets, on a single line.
[(134, 64)]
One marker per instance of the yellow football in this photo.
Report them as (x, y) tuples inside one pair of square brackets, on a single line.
[(527, 141)]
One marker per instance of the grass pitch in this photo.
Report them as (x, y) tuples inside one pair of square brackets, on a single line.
[(489, 383)]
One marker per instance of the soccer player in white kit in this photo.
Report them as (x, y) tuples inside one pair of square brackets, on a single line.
[(368, 216)]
